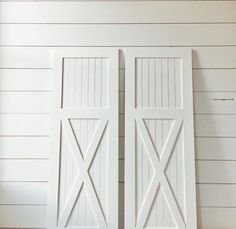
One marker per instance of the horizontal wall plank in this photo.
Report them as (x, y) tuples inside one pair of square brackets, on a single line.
[(24, 170), (25, 124), (216, 172), (25, 79), (207, 58), (215, 148), (25, 57), (23, 193), (117, 34), (25, 147), (118, 12), (216, 218), (214, 57), (207, 171), (216, 195), (22, 216), (215, 102), (25, 102), (29, 57), (215, 125), (224, 80)]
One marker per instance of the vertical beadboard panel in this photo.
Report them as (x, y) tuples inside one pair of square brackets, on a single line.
[(153, 76), (85, 83)]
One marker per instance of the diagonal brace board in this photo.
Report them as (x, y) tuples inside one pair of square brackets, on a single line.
[(83, 184), (159, 89)]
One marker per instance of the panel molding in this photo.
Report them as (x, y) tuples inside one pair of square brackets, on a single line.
[(83, 131), (141, 117)]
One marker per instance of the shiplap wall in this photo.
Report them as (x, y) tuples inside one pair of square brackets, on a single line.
[(29, 31)]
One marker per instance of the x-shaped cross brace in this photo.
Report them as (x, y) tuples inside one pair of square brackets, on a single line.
[(83, 177), (159, 177)]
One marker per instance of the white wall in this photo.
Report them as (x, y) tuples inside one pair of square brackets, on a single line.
[(28, 33)]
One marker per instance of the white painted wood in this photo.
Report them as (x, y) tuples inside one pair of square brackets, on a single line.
[(84, 176), (216, 195), (214, 57), (119, 35), (224, 80), (25, 57), (215, 102), (208, 57), (215, 126), (24, 216), (28, 193), (25, 147), (118, 12), (216, 218), (215, 148), (25, 80), (216, 172), (25, 124), (24, 170), (158, 103), (40, 57), (212, 68), (25, 102)]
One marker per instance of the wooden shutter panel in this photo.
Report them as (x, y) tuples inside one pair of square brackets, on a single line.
[(83, 189), (159, 168)]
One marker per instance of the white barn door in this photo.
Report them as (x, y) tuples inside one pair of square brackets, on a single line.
[(159, 168), (83, 190)]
